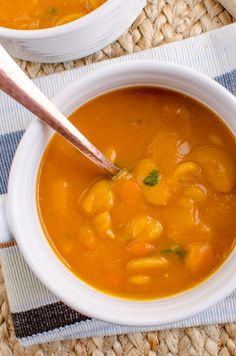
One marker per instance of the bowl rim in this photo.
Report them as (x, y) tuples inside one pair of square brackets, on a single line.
[(104, 9), (211, 285)]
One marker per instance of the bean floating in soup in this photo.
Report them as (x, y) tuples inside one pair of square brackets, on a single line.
[(38, 14), (164, 224)]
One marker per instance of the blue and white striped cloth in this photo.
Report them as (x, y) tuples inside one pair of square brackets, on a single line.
[(214, 54)]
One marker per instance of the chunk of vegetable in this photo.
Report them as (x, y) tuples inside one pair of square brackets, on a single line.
[(196, 193), (155, 194), (111, 154), (87, 237), (139, 280), (140, 248), (146, 263), (145, 228), (143, 169), (218, 167), (98, 198), (128, 201), (184, 169), (102, 222), (185, 203), (199, 258), (158, 194), (183, 217), (129, 191), (168, 150)]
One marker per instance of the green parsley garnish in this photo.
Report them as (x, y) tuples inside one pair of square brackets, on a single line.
[(52, 11), (177, 250), (153, 178)]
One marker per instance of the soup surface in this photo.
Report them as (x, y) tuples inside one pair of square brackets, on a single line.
[(38, 14), (164, 224)]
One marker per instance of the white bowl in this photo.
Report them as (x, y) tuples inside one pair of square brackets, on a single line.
[(76, 39), (23, 216)]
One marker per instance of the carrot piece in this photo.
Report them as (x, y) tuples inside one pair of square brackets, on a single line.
[(140, 248), (129, 191)]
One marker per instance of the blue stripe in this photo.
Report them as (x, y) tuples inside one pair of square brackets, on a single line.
[(8, 145), (9, 142), (228, 80)]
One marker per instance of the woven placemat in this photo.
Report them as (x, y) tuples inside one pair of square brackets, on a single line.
[(161, 22)]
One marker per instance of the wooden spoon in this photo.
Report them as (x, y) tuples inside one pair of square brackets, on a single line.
[(15, 83)]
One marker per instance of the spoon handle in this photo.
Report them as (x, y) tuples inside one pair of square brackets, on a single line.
[(15, 83)]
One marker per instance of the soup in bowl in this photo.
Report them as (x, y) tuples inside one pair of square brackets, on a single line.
[(136, 248), (62, 30), (38, 14), (153, 230)]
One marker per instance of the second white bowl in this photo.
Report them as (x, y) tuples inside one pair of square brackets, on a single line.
[(76, 39)]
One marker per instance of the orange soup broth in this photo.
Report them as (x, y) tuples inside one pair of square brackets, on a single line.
[(40, 14), (128, 120)]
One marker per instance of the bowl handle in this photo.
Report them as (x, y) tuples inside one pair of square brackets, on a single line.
[(5, 235)]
